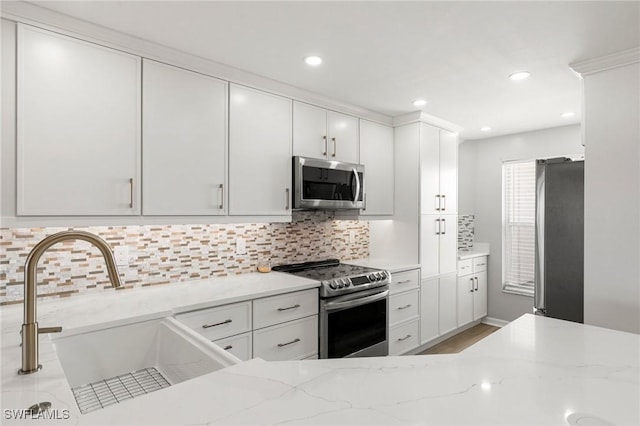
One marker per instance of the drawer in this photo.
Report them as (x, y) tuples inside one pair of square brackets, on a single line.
[(240, 346), (284, 307), (219, 322), (479, 264), (403, 281), (292, 340), (403, 306), (403, 337), (465, 267)]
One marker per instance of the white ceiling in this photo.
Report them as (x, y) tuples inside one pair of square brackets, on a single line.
[(383, 55)]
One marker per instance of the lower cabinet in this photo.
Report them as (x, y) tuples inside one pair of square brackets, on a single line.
[(291, 340), (274, 328), (404, 337), (437, 307), (404, 312), (472, 290), (447, 306)]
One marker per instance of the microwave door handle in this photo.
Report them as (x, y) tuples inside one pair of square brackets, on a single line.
[(357, 194)]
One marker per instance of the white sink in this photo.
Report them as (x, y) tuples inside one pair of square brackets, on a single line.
[(164, 345)]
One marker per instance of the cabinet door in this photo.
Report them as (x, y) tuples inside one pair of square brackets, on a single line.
[(430, 245), (343, 137), (480, 296), (429, 169), (448, 244), (310, 138), (448, 172), (184, 119), (466, 285), (78, 126), (259, 153), (447, 298), (376, 154), (428, 310)]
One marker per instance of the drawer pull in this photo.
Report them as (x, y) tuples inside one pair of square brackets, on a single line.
[(281, 345), (404, 307), (400, 339), (403, 282), (228, 347), (290, 307), (217, 324), (480, 264)]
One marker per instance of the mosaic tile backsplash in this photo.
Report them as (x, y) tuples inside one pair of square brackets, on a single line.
[(465, 231), (162, 254)]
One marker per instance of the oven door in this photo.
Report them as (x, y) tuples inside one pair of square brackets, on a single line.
[(355, 325), (323, 184)]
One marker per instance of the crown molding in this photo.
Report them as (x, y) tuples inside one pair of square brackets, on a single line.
[(27, 13), (607, 62), (421, 117)]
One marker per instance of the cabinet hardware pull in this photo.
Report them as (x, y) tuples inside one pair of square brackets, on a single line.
[(400, 339), (296, 340), (226, 348), (326, 145), (130, 193), (471, 279), (221, 206), (286, 191), (404, 307), (290, 307), (444, 201), (438, 231), (228, 321), (476, 278), (403, 282), (334, 147), (444, 221), (437, 198)]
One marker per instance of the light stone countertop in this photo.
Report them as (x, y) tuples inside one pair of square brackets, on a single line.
[(535, 370), (478, 249)]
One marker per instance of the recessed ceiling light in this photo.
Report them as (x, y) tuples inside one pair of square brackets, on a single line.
[(567, 114), (419, 102), (314, 61), (520, 75), (485, 129)]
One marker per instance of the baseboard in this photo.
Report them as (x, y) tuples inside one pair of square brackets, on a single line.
[(494, 322)]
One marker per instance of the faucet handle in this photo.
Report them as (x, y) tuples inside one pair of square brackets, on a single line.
[(45, 330)]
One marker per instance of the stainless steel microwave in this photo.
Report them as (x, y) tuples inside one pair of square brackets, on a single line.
[(327, 185)]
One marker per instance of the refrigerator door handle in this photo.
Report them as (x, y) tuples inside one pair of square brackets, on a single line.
[(538, 293)]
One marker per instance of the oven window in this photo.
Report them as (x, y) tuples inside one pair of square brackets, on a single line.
[(328, 184), (353, 329)]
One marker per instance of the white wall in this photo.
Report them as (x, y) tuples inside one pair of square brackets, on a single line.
[(612, 198), (480, 193)]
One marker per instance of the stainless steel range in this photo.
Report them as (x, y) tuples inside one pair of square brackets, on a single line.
[(354, 307)]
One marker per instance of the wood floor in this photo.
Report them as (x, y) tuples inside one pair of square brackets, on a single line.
[(461, 341)]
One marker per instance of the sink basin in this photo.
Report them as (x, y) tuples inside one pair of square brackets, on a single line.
[(126, 361)]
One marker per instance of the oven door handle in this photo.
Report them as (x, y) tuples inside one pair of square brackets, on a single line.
[(332, 306)]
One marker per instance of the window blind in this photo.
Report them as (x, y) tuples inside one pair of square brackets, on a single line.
[(519, 210)]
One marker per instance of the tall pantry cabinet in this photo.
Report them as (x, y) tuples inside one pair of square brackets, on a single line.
[(433, 144)]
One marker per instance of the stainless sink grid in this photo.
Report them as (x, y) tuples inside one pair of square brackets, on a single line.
[(103, 393)]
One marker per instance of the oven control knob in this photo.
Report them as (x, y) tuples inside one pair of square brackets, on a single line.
[(372, 277), (347, 282), (333, 285)]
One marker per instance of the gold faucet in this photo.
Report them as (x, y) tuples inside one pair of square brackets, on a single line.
[(30, 329)]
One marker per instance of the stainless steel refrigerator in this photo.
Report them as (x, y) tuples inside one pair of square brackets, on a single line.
[(559, 244)]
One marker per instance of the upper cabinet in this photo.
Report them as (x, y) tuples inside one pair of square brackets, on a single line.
[(78, 126), (259, 153), (439, 165), (376, 154), (184, 142), (318, 133)]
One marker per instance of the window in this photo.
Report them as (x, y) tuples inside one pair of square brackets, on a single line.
[(518, 226)]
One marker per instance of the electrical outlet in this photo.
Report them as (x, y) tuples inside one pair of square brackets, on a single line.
[(241, 246), (121, 254)]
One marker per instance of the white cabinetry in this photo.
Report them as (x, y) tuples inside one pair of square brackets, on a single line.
[(78, 127), (447, 303), (259, 153), (376, 154), (286, 326), (429, 309), (439, 166), (318, 133), (404, 311), (438, 244), (472, 290), (184, 120)]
